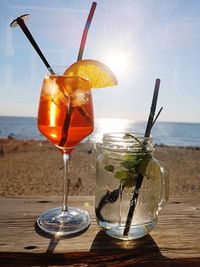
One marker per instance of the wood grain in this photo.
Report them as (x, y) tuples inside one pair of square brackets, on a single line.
[(174, 242)]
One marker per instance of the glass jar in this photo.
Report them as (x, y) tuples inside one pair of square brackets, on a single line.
[(131, 186)]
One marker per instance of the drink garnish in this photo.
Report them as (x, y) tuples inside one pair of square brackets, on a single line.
[(95, 71)]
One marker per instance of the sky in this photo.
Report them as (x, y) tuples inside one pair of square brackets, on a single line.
[(140, 40)]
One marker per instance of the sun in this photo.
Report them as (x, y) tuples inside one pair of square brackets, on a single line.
[(118, 62)]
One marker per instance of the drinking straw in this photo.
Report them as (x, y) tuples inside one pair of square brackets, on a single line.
[(140, 177), (157, 116), (153, 108), (85, 32), (20, 21)]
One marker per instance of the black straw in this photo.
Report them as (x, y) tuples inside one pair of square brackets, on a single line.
[(20, 21), (153, 108), (140, 177), (158, 114)]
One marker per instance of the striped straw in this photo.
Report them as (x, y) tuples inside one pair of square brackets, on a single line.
[(85, 32)]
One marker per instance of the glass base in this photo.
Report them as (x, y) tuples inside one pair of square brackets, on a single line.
[(59, 223), (135, 232)]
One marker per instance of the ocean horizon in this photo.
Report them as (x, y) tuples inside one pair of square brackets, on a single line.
[(163, 132)]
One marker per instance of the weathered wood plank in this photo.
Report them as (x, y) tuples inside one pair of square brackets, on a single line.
[(174, 242)]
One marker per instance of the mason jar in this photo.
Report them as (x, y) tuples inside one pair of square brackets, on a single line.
[(131, 186)]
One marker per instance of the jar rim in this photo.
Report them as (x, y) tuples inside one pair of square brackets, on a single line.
[(126, 136), (127, 141)]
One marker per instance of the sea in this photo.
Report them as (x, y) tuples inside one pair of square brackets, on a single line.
[(164, 133)]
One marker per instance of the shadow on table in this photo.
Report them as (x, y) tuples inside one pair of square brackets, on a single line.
[(108, 251), (129, 252), (54, 240), (104, 251)]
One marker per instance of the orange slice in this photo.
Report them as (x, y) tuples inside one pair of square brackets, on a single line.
[(96, 72)]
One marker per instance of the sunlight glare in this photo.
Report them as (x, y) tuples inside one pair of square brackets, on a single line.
[(109, 125), (118, 62), (52, 114)]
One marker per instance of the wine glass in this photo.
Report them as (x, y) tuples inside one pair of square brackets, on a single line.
[(65, 117)]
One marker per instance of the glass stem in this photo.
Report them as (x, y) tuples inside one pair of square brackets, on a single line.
[(66, 159)]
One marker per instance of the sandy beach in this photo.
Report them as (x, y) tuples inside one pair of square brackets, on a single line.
[(35, 168)]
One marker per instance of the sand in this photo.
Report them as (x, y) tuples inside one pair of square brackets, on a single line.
[(35, 168)]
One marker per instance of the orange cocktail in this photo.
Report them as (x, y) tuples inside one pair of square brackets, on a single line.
[(65, 115)]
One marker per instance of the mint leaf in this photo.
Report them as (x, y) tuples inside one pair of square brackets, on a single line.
[(129, 164), (130, 157), (123, 174), (128, 136), (109, 168)]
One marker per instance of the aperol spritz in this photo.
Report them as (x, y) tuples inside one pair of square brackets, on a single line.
[(65, 118)]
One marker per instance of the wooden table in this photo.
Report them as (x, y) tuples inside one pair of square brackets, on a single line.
[(174, 242)]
